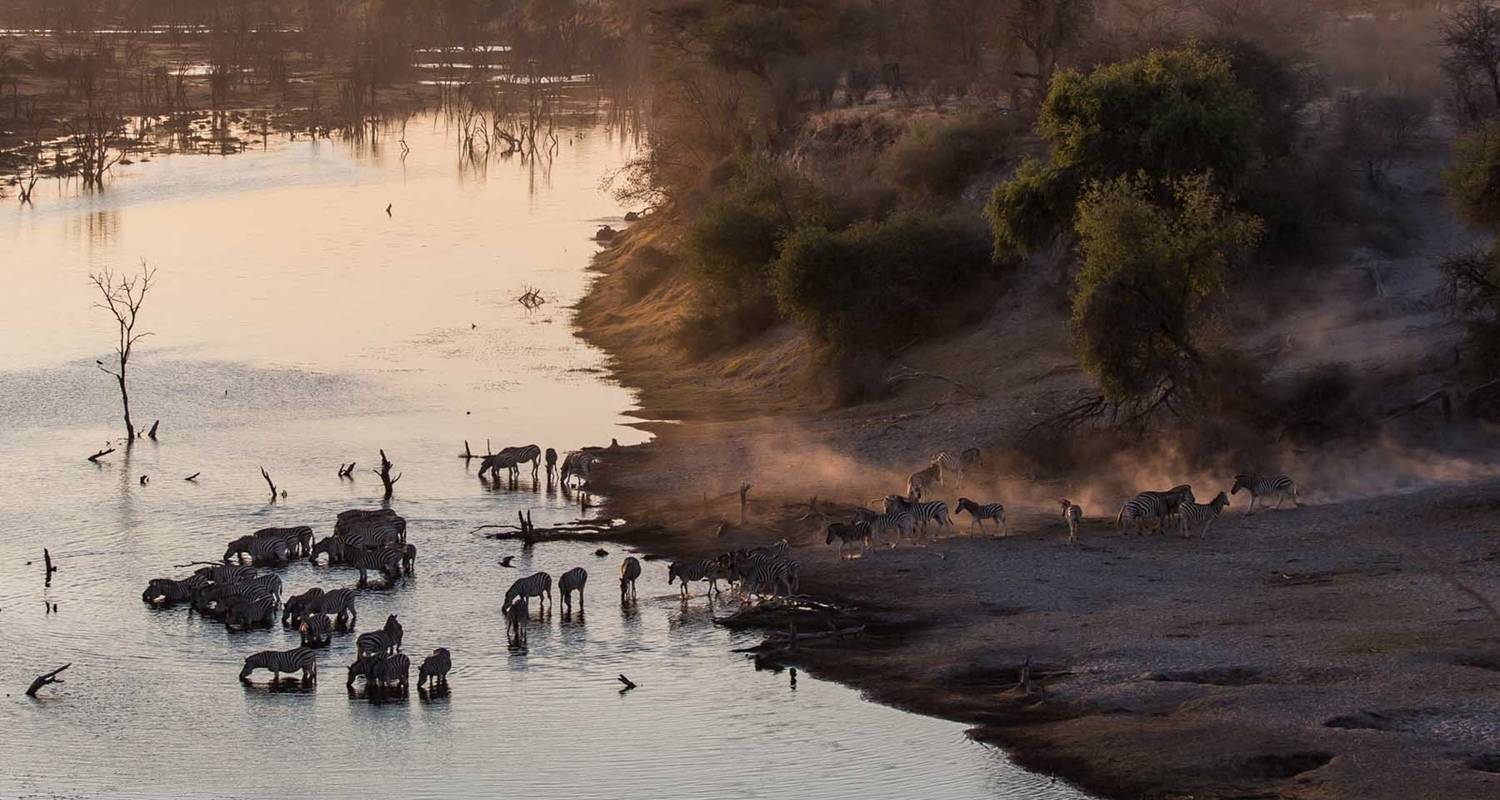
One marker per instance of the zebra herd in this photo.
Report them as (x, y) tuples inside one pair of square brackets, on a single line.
[(767, 571), (575, 469), (911, 517), (240, 592)]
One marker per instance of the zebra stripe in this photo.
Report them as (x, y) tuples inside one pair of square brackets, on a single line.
[(332, 546), (166, 591), (335, 603), (534, 585), (517, 615), (251, 612), (1153, 507), (436, 667), (934, 511), (630, 569), (316, 630), (387, 560), (391, 672), (1201, 515), (572, 581), (895, 525), (776, 577), (1281, 486), (979, 513), (849, 533), (358, 520), (374, 643), (298, 659)]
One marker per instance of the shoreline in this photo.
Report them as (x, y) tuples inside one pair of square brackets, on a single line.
[(1315, 652)]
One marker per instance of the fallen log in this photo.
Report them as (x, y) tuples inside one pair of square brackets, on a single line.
[(43, 680), (101, 454)]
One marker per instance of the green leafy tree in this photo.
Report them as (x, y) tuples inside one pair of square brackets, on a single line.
[(1147, 268), (1168, 114), (1473, 177)]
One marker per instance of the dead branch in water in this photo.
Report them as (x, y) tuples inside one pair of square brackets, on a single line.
[(193, 477), (532, 299), (385, 475), (151, 434), (47, 560), (269, 483), (43, 680), (102, 453)]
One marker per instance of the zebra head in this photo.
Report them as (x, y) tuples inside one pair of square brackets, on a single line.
[(1221, 500), (1241, 482)]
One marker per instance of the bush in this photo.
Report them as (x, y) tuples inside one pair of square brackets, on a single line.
[(1146, 269), (1169, 114), (1024, 211), (937, 155), (878, 285), (1473, 177)]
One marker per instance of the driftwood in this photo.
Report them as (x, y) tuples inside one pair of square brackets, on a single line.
[(269, 483), (43, 680), (628, 684), (347, 470), (101, 454), (193, 477), (47, 560), (385, 475), (532, 299), (778, 640), (151, 434)]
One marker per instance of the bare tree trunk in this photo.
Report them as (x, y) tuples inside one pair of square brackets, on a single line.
[(125, 401)]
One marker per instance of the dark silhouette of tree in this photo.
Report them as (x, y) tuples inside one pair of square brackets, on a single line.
[(122, 296), (1472, 35)]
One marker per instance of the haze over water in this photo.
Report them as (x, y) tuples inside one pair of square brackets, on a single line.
[(296, 326)]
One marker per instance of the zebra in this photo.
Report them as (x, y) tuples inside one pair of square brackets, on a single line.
[(551, 464), (394, 631), (534, 585), (387, 560), (298, 659), (702, 569), (934, 511), (316, 630), (333, 546), (336, 603), (849, 533), (979, 513), (295, 606), (1192, 514), (570, 581), (630, 569), (166, 591), (374, 643), (1153, 507), (517, 615), (372, 538), (363, 665), (1072, 515), (923, 480), (774, 576), (359, 519), (578, 464), (409, 559), (528, 454), (267, 584), (251, 612), (947, 463), (226, 573), (391, 672), (1280, 485), (298, 538), (436, 667), (898, 524), (494, 463)]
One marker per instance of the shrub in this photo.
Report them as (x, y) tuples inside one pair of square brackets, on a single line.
[(877, 285), (1473, 177), (1168, 114), (937, 155), (1147, 267)]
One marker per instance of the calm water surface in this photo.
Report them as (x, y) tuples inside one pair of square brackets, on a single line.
[(297, 327)]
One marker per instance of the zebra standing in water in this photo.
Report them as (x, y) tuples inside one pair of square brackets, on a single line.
[(703, 569), (630, 569), (979, 513), (296, 605), (298, 659), (252, 612), (1281, 486), (338, 604), (1072, 515), (436, 667), (316, 631), (387, 560), (534, 585), (774, 576), (391, 672), (551, 464), (1153, 507), (569, 582), (1201, 515), (517, 616)]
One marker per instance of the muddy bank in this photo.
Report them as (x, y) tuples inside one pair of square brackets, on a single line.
[(1342, 649)]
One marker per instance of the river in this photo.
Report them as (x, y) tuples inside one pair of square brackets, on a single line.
[(297, 326)]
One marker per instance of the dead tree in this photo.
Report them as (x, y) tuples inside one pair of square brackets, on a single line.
[(47, 564), (122, 298), (269, 483), (385, 475), (43, 680), (151, 434)]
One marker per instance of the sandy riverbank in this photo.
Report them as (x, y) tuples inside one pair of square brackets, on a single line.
[(1334, 650)]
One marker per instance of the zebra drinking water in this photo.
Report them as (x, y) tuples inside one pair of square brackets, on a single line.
[(316, 630), (979, 513), (298, 659), (517, 616), (569, 582), (535, 585), (1201, 515), (252, 612), (374, 643), (336, 603), (391, 672), (1281, 486), (630, 569)]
